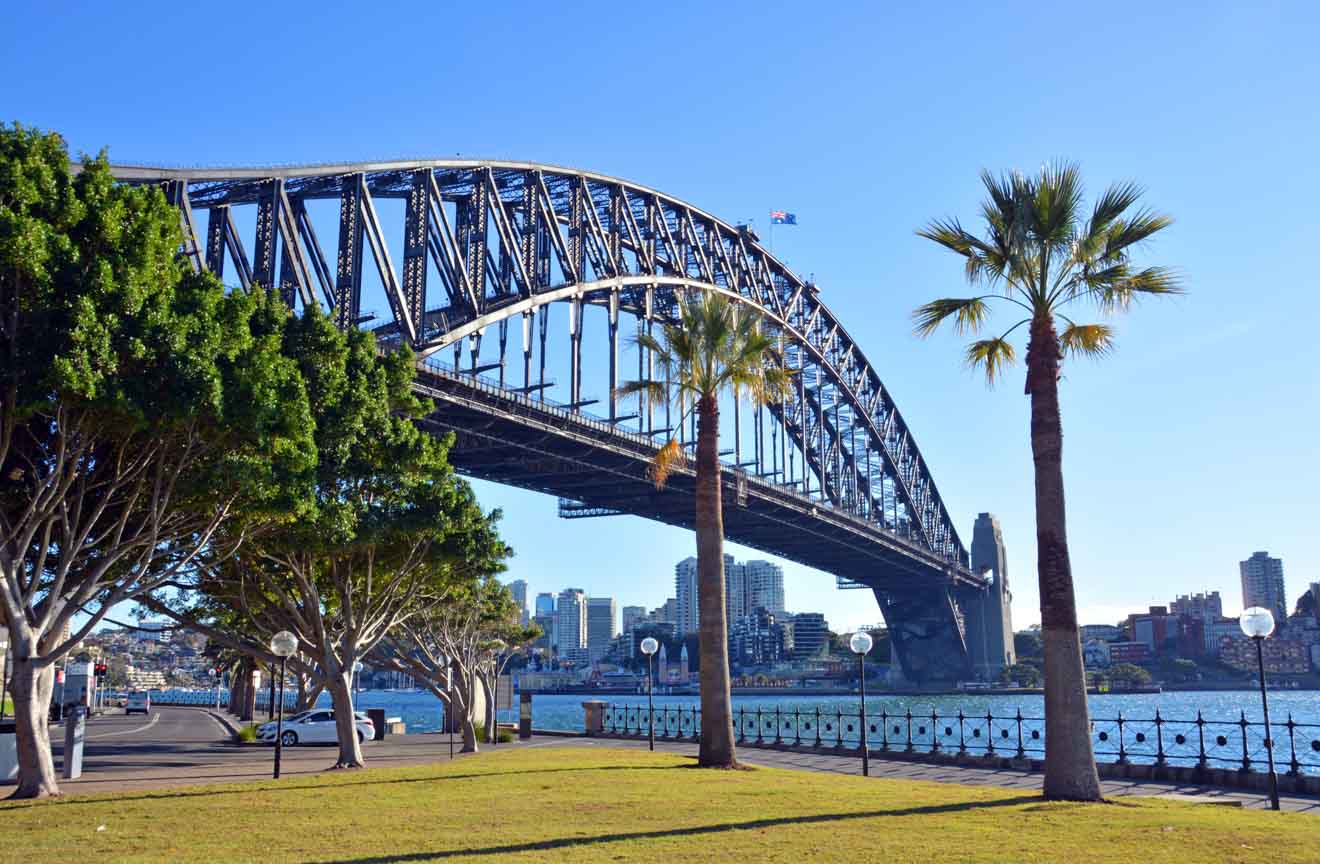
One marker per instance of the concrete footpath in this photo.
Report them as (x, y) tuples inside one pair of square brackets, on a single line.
[(189, 746)]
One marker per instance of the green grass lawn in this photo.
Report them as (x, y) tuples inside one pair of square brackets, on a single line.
[(602, 804)]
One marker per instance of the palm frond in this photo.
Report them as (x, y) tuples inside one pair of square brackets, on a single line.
[(655, 391), (968, 313), (993, 355), (1120, 291), (1089, 340), (666, 459)]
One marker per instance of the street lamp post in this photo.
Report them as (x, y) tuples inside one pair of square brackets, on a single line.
[(282, 645), (649, 647), (861, 645), (1258, 622)]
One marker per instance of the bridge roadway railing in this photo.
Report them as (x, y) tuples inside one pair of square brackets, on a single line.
[(1193, 744), (609, 433)]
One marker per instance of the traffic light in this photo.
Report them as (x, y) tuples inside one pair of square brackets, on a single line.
[(101, 670)]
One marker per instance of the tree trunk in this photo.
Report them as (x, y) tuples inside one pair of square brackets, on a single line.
[(717, 749), (341, 694), (248, 707), (32, 690), (1069, 759)]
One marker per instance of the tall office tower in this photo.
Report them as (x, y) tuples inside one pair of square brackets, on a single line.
[(736, 590), (601, 628), (571, 619), (518, 587), (545, 603), (989, 614), (632, 615), (1262, 585), (810, 634), (765, 587), (685, 589)]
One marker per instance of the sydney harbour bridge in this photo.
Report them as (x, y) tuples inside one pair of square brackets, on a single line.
[(519, 286)]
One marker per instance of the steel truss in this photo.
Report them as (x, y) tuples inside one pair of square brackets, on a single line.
[(507, 240)]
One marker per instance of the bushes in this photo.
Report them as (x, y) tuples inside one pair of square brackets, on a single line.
[(505, 735), (246, 735)]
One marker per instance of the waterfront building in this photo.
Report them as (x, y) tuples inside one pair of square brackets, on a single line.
[(1157, 629), (1262, 584), (1095, 654), (763, 584), (1282, 656), (601, 628), (756, 639), (810, 634), (1217, 630), (747, 587), (571, 620), (1129, 652), (685, 593), (545, 603), (663, 631), (1101, 632), (518, 587)]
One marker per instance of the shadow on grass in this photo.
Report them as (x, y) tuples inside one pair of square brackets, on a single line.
[(249, 790), (694, 831)]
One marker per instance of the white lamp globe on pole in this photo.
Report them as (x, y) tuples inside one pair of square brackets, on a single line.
[(283, 645), (1258, 622), (860, 643), (649, 647)]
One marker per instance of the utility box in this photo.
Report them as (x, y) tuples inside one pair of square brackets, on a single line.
[(75, 734), (8, 753)]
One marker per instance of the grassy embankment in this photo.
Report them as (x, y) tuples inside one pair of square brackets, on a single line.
[(601, 804)]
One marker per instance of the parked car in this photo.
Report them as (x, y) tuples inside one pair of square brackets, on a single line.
[(266, 730), (138, 703), (315, 727)]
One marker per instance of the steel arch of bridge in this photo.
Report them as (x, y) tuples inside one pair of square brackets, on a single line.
[(508, 238), (487, 244)]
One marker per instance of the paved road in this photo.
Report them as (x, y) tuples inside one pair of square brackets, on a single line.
[(185, 746)]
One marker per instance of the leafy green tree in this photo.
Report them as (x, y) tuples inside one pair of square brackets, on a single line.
[(1025, 674), (1041, 254), (1026, 644), (720, 347), (1128, 675), (392, 529), (146, 417)]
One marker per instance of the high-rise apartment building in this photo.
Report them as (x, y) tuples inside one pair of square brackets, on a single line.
[(810, 632), (571, 619), (545, 603), (632, 616), (747, 587), (1205, 607), (518, 587), (1262, 584), (601, 628)]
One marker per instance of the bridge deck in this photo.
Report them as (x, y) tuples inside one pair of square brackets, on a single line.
[(511, 438)]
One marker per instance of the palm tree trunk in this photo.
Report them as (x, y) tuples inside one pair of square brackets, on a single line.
[(717, 749), (1069, 759)]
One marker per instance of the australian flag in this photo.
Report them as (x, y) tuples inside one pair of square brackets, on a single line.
[(779, 217)]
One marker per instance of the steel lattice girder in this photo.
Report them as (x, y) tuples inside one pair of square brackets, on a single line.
[(526, 235)]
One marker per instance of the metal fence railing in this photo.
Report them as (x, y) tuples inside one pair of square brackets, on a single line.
[(1155, 740)]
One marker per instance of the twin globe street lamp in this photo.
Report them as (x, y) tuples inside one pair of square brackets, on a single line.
[(649, 647), (1258, 622), (282, 645), (860, 643)]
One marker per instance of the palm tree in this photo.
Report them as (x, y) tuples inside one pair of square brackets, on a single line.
[(719, 347), (1041, 253)]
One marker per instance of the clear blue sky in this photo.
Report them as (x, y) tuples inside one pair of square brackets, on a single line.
[(1192, 447)]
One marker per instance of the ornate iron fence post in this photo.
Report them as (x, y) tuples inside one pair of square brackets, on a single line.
[(1122, 749), (1246, 757), (797, 725), (759, 739), (779, 726), (817, 726), (742, 730), (909, 730), (962, 737), (1159, 738), (1294, 767), (1022, 751), (989, 733), (838, 728), (934, 732), (1202, 760), (884, 730)]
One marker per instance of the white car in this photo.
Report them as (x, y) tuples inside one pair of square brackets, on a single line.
[(316, 727), (266, 731)]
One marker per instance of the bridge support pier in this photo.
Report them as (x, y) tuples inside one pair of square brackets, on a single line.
[(925, 633)]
